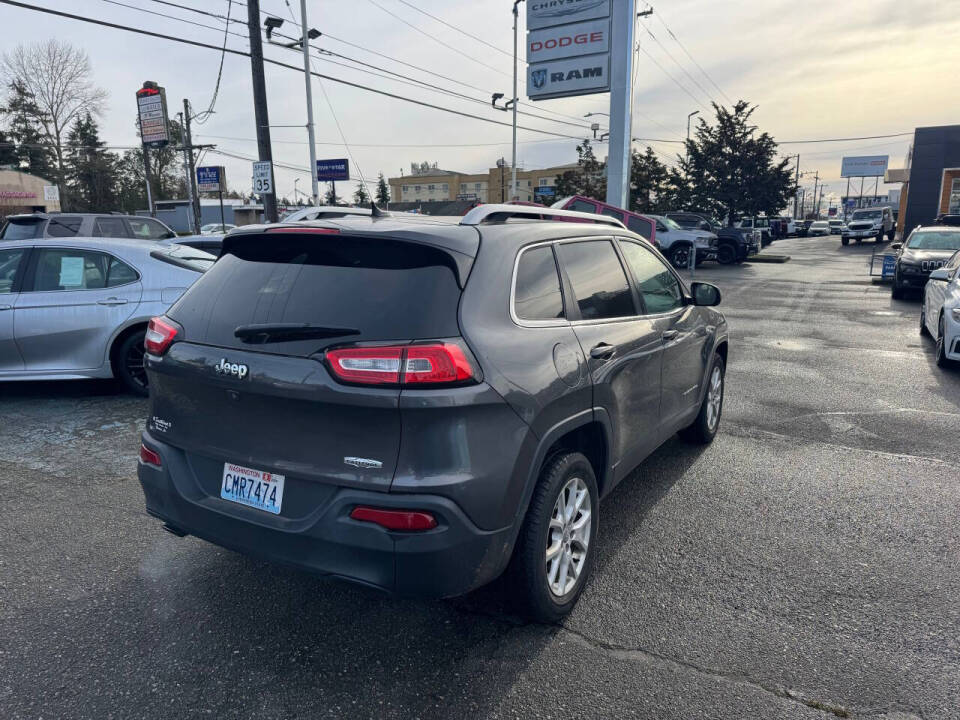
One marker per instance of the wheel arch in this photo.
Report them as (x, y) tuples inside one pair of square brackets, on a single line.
[(132, 327)]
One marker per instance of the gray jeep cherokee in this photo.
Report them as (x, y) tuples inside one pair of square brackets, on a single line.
[(419, 404)]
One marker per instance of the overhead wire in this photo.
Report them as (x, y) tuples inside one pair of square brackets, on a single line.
[(677, 63), (687, 53), (454, 27), (202, 117)]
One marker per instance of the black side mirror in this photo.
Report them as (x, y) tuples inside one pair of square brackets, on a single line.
[(705, 294)]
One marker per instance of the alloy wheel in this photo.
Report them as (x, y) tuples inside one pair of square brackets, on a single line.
[(133, 361), (714, 398), (568, 537)]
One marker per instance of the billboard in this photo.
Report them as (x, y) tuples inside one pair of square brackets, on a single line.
[(328, 170), (547, 13), (864, 166), (568, 48), (152, 114)]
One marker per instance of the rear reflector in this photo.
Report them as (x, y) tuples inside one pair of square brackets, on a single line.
[(309, 230), (405, 520), (149, 456), (160, 333), (424, 364)]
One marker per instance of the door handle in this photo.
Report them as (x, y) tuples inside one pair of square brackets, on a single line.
[(6, 307), (112, 301), (602, 351), (669, 334)]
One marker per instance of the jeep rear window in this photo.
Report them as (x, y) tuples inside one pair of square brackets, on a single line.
[(378, 289), (25, 229)]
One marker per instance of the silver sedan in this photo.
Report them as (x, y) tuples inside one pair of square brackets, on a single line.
[(78, 307)]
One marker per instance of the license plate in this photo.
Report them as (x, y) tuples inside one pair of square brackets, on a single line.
[(254, 488)]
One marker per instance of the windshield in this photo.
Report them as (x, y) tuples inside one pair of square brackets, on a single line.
[(934, 241), (670, 223), (26, 229), (867, 215)]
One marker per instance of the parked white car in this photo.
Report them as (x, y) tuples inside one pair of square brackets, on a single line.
[(869, 223), (818, 227), (676, 243), (940, 310)]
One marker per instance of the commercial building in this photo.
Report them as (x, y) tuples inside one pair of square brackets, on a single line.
[(931, 178), (432, 184), (24, 193)]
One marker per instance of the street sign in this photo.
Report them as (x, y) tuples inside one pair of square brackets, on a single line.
[(889, 266), (333, 170), (585, 38), (262, 178), (212, 178), (548, 13), (569, 77), (864, 166), (545, 190), (51, 193), (152, 113)]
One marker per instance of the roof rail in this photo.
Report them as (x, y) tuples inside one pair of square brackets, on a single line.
[(495, 212)]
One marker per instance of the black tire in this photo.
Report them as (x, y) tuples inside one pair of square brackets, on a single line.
[(896, 292), (942, 361), (844, 241), (726, 254), (128, 364), (891, 235), (528, 567), (879, 237), (702, 430), (923, 317), (680, 256)]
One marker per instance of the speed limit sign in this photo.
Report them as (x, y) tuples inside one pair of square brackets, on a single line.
[(262, 178)]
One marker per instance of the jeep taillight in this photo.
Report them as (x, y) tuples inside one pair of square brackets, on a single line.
[(433, 363), (160, 333)]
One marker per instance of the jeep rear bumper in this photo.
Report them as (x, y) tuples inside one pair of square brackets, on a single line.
[(451, 559)]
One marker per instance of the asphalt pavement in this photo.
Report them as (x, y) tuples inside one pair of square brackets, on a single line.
[(805, 565)]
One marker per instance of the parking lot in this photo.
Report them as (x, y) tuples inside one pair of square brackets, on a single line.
[(806, 564)]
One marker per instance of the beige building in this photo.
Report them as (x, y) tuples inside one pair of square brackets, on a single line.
[(23, 193), (492, 186)]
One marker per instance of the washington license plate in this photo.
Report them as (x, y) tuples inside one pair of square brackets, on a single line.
[(254, 488)]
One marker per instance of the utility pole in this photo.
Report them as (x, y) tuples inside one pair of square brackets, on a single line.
[(513, 161), (687, 146), (260, 104), (192, 190), (796, 191), (308, 80), (146, 174), (816, 179)]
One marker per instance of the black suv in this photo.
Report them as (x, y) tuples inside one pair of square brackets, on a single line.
[(734, 244), (60, 225), (416, 403)]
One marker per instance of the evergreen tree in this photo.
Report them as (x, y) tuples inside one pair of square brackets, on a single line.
[(330, 197), (360, 196), (33, 153), (8, 151), (89, 169), (732, 170), (383, 191), (589, 179), (167, 174), (648, 177)]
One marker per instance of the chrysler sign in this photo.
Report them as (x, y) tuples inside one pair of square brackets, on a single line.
[(547, 13), (585, 38), (572, 76)]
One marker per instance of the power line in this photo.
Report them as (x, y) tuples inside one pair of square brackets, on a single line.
[(436, 40), (202, 117), (454, 27), (675, 81), (687, 53), (389, 145), (196, 43), (170, 17), (675, 62), (827, 140)]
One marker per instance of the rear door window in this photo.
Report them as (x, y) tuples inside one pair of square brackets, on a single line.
[(583, 206), (68, 269), (148, 229), (612, 213), (110, 227), (9, 264), (64, 226), (537, 293), (354, 289), (641, 226), (598, 280)]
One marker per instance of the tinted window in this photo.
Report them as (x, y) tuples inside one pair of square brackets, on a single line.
[(612, 213), (376, 289), (67, 269), (185, 256), (685, 221), (583, 206), (537, 295), (934, 240), (109, 227), (120, 273), (598, 280), (640, 226), (23, 229), (64, 226), (658, 286), (147, 229), (9, 262)]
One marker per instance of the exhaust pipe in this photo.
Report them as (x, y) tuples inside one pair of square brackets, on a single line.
[(174, 530)]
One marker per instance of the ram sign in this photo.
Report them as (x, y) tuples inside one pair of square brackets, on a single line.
[(573, 76), (864, 166), (568, 48)]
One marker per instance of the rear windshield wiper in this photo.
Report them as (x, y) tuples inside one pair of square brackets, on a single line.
[(280, 332)]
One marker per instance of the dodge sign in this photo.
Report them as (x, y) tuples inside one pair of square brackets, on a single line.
[(573, 76), (586, 38)]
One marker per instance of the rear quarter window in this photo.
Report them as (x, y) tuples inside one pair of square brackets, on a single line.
[(23, 229), (640, 226)]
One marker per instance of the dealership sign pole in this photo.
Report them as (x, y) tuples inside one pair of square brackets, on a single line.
[(154, 129), (621, 102)]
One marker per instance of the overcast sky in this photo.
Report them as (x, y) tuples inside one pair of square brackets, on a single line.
[(815, 69)]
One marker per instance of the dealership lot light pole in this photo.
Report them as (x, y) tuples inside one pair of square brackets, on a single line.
[(516, 98)]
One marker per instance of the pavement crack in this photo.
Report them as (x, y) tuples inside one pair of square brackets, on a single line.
[(642, 654)]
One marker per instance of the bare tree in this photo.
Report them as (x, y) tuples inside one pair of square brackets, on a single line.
[(57, 75)]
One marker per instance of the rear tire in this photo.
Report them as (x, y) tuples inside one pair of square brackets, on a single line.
[(557, 539), (726, 254), (896, 292), (845, 241), (680, 256), (942, 361), (702, 430), (923, 317), (128, 364)]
